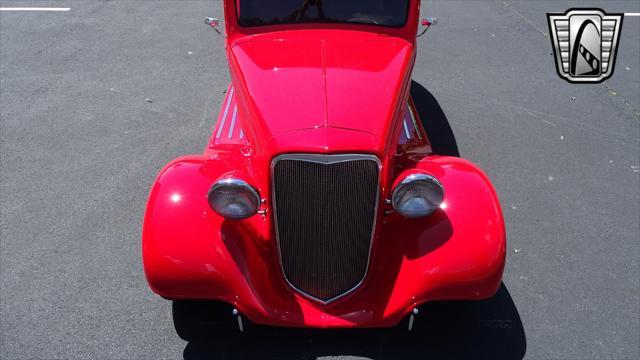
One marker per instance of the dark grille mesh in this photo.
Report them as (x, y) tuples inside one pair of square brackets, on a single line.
[(325, 216)]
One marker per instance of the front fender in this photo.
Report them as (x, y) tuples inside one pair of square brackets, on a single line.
[(459, 251), (183, 254), (174, 218)]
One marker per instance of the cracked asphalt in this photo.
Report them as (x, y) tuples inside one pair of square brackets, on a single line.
[(80, 147)]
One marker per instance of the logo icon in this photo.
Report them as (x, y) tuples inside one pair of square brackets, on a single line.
[(585, 42)]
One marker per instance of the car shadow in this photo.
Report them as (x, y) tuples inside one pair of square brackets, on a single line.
[(488, 329), (434, 121)]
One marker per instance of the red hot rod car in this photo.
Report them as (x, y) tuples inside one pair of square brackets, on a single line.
[(318, 201)]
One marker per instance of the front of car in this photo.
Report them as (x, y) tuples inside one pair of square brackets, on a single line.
[(318, 201)]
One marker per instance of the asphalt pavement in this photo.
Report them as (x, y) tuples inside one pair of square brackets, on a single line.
[(94, 101)]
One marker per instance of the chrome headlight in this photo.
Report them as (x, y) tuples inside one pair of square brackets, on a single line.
[(234, 199), (417, 195)]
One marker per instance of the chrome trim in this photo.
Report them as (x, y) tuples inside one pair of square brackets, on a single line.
[(226, 112), (211, 21), (406, 129), (409, 179), (418, 176), (235, 183), (237, 314), (233, 121), (325, 159), (414, 312), (415, 122)]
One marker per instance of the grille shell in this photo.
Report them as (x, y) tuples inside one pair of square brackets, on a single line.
[(325, 210)]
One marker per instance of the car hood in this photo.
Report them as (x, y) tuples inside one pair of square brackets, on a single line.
[(290, 87)]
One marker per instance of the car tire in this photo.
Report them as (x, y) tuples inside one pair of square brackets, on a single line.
[(194, 319)]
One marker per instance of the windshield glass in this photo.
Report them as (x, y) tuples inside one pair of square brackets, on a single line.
[(272, 12)]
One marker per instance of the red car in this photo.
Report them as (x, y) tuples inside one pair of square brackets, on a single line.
[(319, 202)]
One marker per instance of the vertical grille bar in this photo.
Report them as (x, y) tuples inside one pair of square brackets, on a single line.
[(325, 211)]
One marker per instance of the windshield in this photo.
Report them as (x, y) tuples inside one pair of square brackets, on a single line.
[(391, 13)]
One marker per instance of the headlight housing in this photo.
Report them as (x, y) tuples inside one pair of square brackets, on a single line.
[(233, 199), (417, 195)]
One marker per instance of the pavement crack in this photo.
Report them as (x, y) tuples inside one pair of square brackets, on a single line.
[(627, 105), (509, 6)]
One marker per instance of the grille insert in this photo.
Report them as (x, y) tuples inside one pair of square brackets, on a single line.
[(325, 211)]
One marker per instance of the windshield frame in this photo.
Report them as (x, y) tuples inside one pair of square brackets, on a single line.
[(323, 22)]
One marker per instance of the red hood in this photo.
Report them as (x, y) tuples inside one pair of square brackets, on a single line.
[(321, 87)]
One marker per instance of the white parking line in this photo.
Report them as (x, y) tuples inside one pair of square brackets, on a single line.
[(631, 14), (33, 9)]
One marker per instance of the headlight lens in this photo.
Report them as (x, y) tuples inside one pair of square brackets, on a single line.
[(417, 195), (234, 199)]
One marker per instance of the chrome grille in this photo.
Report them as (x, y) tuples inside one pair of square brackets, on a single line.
[(325, 210)]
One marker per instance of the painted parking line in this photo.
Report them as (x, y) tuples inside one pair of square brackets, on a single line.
[(33, 9), (631, 14)]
